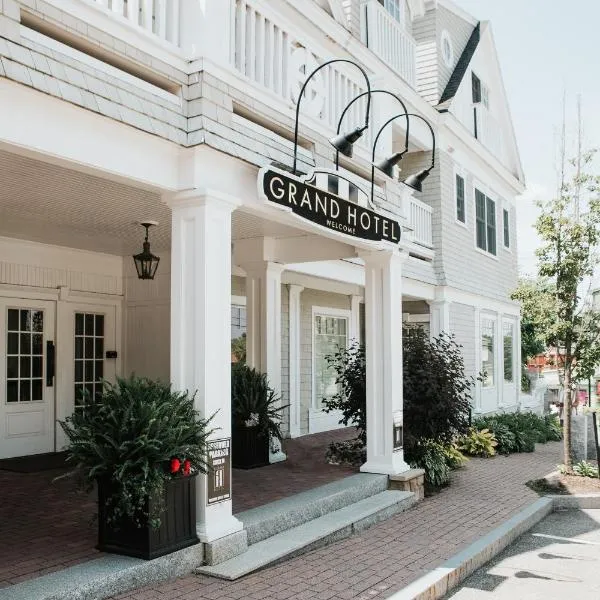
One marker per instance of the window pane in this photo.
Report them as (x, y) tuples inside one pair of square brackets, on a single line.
[(89, 370), (476, 88), (99, 370), (79, 401), (37, 321), (25, 343), (79, 324), (508, 351), (460, 198), (12, 346), (36, 366), (99, 325), (12, 367), (89, 347), (25, 320), (36, 345), (99, 348), (506, 228), (24, 391), (25, 367), (13, 319), (487, 352), (480, 219), (491, 226), (12, 391), (89, 324), (36, 389), (78, 371), (78, 347)]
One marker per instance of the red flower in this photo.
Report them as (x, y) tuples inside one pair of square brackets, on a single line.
[(187, 467), (175, 465)]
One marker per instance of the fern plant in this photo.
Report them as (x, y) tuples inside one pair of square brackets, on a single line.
[(254, 403), (132, 438), (478, 443), (431, 456)]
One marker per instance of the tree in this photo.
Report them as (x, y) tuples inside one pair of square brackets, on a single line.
[(569, 228)]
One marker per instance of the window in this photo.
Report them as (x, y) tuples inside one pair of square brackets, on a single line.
[(485, 222), (238, 321), (24, 355), (487, 351), (508, 335), (460, 199), (506, 225), (395, 8), (447, 49), (475, 88), (89, 358), (330, 333)]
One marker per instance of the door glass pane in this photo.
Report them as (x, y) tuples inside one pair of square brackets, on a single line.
[(89, 345), (25, 356), (487, 351), (508, 351)]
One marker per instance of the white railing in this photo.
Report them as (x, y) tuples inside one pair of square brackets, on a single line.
[(421, 223), (388, 39), (272, 57), (158, 17), (489, 132)]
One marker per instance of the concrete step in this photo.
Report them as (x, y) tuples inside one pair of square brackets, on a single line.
[(273, 518), (320, 531)]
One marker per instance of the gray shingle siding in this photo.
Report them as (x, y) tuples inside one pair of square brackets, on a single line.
[(462, 325)]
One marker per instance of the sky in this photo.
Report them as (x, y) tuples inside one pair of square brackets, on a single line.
[(546, 48)]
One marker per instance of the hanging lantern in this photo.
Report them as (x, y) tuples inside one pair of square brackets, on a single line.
[(146, 263)]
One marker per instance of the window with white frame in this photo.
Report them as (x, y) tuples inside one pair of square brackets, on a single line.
[(395, 8), (508, 336), (485, 222), (330, 335), (506, 227), (238, 321), (488, 345), (460, 198)]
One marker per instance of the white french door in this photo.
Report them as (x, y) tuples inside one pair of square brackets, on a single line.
[(87, 348), (27, 376)]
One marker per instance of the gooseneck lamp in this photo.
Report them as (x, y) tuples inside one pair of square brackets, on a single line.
[(342, 143)]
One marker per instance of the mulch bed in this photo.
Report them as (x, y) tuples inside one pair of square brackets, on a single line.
[(556, 483)]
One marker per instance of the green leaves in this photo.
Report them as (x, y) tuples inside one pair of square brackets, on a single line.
[(127, 438)]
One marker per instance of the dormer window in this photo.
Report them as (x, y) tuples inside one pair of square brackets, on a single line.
[(394, 8), (479, 91)]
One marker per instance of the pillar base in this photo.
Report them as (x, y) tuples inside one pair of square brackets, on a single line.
[(395, 466), (220, 523)]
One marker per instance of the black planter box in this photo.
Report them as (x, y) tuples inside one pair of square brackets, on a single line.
[(177, 524), (249, 450)]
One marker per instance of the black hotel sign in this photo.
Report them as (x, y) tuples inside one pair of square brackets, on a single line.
[(327, 209)]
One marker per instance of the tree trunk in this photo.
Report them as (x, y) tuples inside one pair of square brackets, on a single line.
[(568, 461)]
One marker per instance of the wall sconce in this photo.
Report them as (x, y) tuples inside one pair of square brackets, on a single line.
[(146, 263)]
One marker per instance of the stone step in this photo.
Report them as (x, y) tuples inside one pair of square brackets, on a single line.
[(318, 532), (273, 518)]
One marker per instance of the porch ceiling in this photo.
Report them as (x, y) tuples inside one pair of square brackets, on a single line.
[(51, 204)]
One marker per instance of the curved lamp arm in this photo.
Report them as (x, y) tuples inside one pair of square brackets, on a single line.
[(396, 97), (367, 112), (407, 115)]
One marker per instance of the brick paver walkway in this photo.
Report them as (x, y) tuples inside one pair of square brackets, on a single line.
[(47, 525), (386, 557)]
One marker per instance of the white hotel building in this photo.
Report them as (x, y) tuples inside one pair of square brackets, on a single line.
[(113, 112)]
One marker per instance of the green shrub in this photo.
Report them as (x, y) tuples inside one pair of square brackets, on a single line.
[(502, 432), (454, 457), (430, 456), (553, 428), (129, 437), (253, 402), (585, 469), (478, 443), (346, 452)]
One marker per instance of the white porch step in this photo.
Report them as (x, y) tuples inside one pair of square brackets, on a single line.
[(318, 532), (268, 520)]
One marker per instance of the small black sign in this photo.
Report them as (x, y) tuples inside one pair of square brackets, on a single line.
[(218, 478), (327, 209), (398, 431)]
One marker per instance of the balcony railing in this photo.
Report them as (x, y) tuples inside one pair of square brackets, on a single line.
[(420, 221), (389, 40), (274, 58), (158, 17)]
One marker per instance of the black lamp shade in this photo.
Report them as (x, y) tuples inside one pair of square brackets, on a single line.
[(416, 181), (387, 166), (146, 263), (343, 142)]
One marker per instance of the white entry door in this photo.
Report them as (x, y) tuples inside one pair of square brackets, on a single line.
[(87, 356), (27, 382)]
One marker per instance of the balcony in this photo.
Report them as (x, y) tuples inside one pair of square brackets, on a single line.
[(388, 39)]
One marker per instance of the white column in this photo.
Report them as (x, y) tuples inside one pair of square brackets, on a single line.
[(201, 326), (205, 29), (294, 357), (383, 314), (439, 311), (263, 320)]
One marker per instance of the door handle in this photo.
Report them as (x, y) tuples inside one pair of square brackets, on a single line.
[(50, 363)]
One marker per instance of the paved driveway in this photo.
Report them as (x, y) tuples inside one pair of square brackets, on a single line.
[(558, 559)]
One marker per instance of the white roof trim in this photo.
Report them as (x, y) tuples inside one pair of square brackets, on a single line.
[(416, 8), (457, 10)]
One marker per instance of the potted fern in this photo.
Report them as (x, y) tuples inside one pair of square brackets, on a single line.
[(143, 445), (255, 417)]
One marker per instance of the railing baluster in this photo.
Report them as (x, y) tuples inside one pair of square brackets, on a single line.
[(252, 44), (160, 26), (133, 11), (117, 6)]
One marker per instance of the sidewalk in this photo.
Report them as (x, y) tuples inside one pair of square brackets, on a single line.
[(386, 557)]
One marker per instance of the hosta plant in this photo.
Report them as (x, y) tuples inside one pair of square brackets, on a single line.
[(585, 469), (431, 456), (478, 443), (454, 457), (136, 436)]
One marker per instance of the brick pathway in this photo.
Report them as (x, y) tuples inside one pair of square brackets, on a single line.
[(383, 559), (46, 526)]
